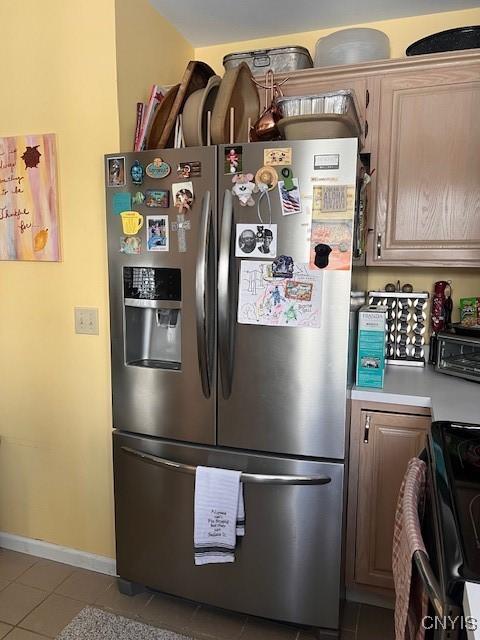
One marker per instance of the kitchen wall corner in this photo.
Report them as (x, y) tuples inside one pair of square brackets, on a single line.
[(149, 51)]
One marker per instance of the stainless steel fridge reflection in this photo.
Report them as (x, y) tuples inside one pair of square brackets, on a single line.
[(193, 386)]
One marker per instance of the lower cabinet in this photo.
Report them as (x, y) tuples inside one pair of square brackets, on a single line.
[(383, 439)]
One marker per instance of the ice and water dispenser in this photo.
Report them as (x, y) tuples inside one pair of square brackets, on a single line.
[(153, 317)]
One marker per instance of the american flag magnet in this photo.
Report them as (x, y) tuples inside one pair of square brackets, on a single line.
[(290, 199)]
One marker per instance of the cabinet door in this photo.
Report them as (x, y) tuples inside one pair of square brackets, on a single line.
[(390, 441), (428, 168)]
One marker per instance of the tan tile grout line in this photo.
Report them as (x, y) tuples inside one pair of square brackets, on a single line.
[(14, 581), (49, 593)]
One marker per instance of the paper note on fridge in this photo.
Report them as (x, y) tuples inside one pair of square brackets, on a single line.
[(279, 302)]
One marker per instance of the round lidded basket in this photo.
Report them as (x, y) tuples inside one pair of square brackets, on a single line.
[(351, 46)]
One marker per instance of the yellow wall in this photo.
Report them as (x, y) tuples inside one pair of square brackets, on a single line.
[(58, 75), (401, 31), (149, 51)]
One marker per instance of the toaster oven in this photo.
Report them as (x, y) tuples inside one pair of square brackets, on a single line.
[(459, 355)]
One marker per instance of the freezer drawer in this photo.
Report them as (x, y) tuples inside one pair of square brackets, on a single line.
[(287, 566)]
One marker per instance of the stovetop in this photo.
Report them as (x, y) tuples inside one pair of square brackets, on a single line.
[(456, 451)]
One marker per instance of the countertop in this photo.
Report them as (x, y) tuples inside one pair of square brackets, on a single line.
[(450, 398)]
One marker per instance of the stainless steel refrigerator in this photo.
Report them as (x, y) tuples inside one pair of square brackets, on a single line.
[(193, 386)]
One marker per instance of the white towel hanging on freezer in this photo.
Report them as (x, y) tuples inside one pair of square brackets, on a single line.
[(219, 514)]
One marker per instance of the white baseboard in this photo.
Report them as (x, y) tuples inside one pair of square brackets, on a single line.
[(74, 557)]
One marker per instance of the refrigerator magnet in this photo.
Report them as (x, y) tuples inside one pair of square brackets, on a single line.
[(116, 171), (243, 188), (121, 201), (290, 197), (132, 222), (302, 291), (138, 198), (157, 233), (158, 169), (137, 172), (189, 169), (266, 177), (282, 267), (131, 245), (180, 226), (256, 241), (333, 202), (233, 160), (182, 194), (279, 156), (157, 198), (331, 244), (326, 161), (322, 251)]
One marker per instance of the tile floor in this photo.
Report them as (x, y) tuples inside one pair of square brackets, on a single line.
[(38, 598)]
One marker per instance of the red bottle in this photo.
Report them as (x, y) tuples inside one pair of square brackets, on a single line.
[(441, 314)]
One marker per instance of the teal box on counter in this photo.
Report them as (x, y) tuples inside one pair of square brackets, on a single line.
[(371, 346)]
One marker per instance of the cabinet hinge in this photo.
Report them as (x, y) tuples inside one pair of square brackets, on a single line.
[(366, 430), (379, 245)]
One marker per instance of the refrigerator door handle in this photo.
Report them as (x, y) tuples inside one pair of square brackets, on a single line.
[(256, 478), (224, 319), (202, 295)]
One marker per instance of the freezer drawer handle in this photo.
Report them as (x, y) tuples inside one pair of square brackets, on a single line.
[(257, 478), (202, 297)]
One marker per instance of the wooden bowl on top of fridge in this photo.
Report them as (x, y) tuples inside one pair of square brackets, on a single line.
[(237, 91)]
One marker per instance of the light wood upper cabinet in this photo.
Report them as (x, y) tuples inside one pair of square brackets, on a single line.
[(387, 442), (428, 167), (421, 116)]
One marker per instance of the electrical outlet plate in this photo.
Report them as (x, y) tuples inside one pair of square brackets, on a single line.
[(86, 320)]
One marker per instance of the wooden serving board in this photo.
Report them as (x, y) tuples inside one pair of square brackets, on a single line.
[(161, 117)]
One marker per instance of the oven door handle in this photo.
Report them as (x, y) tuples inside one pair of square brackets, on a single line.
[(444, 609), (430, 582)]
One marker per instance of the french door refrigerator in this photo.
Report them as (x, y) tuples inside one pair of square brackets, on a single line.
[(194, 386)]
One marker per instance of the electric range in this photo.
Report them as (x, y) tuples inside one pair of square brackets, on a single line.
[(452, 526)]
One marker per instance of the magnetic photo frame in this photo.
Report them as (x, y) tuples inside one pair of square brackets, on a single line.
[(256, 241), (157, 233)]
